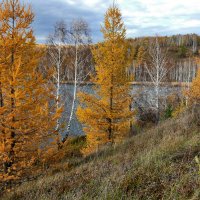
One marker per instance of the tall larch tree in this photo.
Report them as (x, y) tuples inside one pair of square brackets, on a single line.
[(106, 115), (26, 116)]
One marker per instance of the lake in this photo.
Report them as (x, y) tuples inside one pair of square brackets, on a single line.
[(144, 96)]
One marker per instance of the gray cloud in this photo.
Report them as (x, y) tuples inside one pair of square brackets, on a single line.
[(142, 17), (47, 13)]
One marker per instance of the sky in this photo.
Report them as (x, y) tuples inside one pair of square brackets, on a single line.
[(141, 17)]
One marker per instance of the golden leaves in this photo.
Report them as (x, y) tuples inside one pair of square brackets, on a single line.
[(105, 114), (195, 89), (27, 114)]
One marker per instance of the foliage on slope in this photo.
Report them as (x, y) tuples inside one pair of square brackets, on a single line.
[(158, 164)]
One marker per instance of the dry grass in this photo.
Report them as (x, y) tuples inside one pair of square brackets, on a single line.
[(158, 164)]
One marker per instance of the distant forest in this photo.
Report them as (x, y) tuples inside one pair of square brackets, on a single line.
[(180, 50)]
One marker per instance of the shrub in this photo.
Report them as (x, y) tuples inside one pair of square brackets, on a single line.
[(168, 112)]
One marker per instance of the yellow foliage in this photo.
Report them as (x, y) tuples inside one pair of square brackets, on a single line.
[(106, 114), (25, 112), (195, 89), (141, 56), (178, 110)]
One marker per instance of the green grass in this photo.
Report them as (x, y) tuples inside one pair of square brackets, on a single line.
[(156, 164)]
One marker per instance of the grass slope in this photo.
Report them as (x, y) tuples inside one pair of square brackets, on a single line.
[(158, 164)]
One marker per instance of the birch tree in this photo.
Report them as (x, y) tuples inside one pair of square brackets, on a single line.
[(157, 69), (79, 41), (56, 53), (68, 54)]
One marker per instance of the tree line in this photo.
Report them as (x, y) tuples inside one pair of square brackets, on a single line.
[(182, 63)]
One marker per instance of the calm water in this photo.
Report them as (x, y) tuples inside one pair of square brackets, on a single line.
[(143, 96)]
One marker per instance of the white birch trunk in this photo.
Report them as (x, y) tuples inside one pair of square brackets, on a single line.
[(75, 90), (157, 72)]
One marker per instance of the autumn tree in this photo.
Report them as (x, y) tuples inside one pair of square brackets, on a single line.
[(195, 89), (79, 42), (27, 119), (69, 57), (106, 115), (141, 56), (156, 67), (56, 55)]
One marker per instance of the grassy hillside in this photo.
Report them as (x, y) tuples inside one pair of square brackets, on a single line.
[(157, 164)]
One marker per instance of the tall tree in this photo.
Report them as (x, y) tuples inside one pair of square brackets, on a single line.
[(79, 41), (56, 54), (26, 116), (106, 115), (69, 57), (156, 67)]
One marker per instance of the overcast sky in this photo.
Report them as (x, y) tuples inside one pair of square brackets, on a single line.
[(141, 17)]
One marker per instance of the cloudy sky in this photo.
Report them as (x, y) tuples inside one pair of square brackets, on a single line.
[(141, 17)]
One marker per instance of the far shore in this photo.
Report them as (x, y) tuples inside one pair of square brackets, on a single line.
[(175, 84)]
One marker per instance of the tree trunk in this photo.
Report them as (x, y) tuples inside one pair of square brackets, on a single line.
[(74, 95)]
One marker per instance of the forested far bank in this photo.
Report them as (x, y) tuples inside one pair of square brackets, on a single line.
[(182, 52)]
